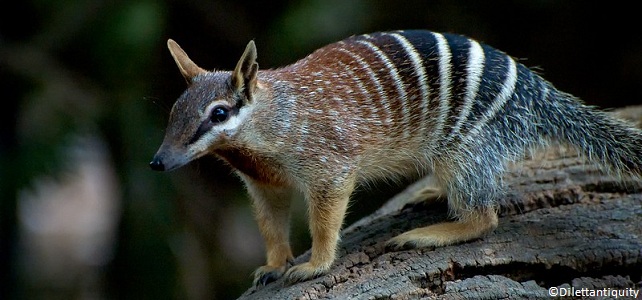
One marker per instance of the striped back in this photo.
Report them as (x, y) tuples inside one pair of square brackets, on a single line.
[(441, 87)]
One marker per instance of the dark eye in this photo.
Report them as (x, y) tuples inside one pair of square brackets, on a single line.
[(219, 114)]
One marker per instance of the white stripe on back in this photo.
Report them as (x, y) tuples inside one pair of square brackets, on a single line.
[(398, 84), (444, 85), (508, 88), (474, 70), (420, 71), (373, 77), (374, 111)]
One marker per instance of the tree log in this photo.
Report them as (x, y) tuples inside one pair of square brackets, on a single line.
[(563, 223)]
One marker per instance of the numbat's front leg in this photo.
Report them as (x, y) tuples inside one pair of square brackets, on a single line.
[(327, 210), (272, 209)]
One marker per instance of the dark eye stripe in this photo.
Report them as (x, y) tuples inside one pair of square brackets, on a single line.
[(205, 127), (208, 124)]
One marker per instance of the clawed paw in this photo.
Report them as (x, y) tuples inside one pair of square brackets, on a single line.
[(303, 272), (427, 237), (267, 274), (400, 244), (443, 234)]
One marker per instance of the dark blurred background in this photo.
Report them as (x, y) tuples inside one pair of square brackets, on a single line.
[(88, 86)]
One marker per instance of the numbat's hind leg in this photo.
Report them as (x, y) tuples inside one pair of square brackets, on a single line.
[(474, 225), (427, 190)]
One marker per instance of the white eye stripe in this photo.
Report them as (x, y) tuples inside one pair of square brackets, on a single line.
[(228, 128), (210, 127)]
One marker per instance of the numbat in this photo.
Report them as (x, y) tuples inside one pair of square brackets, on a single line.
[(375, 106)]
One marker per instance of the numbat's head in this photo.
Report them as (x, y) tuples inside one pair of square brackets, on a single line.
[(209, 112)]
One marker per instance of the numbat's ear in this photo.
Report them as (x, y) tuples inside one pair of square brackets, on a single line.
[(188, 68), (244, 75)]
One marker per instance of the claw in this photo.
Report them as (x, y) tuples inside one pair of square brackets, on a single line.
[(266, 274), (446, 233), (303, 272), (267, 278), (393, 246)]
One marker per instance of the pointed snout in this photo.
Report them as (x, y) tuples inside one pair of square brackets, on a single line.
[(168, 160), (157, 164)]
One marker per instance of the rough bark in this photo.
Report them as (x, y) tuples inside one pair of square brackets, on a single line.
[(563, 223)]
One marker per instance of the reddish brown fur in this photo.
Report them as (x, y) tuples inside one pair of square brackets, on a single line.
[(259, 168)]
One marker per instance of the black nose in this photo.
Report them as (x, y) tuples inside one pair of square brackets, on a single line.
[(157, 164)]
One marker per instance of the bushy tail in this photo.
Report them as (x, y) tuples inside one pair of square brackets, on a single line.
[(602, 138)]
